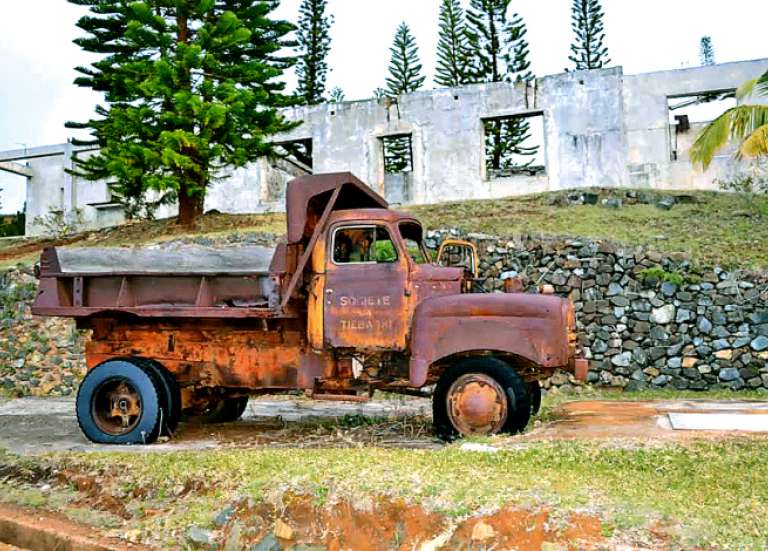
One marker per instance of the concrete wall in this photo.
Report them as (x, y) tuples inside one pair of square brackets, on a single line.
[(600, 128)]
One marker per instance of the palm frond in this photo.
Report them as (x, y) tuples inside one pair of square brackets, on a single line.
[(756, 144), (757, 86), (747, 88), (737, 124)]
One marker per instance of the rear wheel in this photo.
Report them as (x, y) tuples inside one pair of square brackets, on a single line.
[(121, 402), (224, 410), (170, 391), (480, 396)]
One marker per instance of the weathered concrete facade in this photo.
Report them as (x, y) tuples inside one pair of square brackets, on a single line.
[(600, 128)]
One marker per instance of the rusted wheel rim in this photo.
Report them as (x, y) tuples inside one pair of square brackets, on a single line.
[(116, 406), (477, 404)]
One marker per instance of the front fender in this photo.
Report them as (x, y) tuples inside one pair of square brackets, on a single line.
[(534, 327)]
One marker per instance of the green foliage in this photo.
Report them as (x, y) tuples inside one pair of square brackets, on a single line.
[(706, 51), (191, 88), (404, 66), (13, 225), (337, 95), (497, 44), (657, 273), (397, 154), (452, 47), (588, 51), (504, 146), (314, 40), (746, 124)]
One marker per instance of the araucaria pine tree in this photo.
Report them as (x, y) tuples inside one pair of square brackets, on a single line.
[(499, 53), (314, 40), (707, 51), (404, 66), (191, 87), (588, 51), (498, 48), (452, 48)]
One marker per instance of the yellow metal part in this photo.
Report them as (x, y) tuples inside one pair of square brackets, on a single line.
[(467, 250), (315, 305)]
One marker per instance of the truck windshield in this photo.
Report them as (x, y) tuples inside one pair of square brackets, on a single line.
[(412, 236)]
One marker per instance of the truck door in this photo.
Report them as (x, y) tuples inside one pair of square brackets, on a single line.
[(365, 289)]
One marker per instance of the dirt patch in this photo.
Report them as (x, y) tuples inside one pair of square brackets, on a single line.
[(620, 420), (42, 531), (384, 525)]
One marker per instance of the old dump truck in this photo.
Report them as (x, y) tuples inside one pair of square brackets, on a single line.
[(349, 303)]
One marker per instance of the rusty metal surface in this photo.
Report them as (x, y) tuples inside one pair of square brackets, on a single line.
[(532, 327), (232, 355), (477, 404), (307, 196)]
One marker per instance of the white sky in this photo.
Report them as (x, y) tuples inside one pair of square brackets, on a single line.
[(37, 55)]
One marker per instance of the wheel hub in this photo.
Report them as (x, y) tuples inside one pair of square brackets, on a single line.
[(477, 404), (116, 406)]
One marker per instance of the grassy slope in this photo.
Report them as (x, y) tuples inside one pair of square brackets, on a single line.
[(721, 228)]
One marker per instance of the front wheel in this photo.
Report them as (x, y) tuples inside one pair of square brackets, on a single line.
[(480, 396)]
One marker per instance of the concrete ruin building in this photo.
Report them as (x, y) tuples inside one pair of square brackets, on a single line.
[(588, 128)]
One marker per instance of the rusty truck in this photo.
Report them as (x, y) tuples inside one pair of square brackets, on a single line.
[(350, 301)]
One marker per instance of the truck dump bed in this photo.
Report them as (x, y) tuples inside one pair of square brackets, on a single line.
[(200, 282), (180, 281)]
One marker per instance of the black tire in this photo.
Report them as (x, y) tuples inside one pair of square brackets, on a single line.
[(93, 391), (534, 392), (225, 410), (515, 390), (171, 392)]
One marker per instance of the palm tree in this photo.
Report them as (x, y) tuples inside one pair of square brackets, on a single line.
[(746, 123)]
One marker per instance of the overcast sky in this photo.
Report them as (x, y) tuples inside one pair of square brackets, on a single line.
[(37, 55)]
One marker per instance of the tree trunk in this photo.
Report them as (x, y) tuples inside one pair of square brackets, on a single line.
[(190, 208)]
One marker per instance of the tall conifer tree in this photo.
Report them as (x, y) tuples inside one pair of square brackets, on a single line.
[(706, 51), (314, 45), (191, 87), (499, 53), (588, 51), (452, 48), (498, 47), (404, 67)]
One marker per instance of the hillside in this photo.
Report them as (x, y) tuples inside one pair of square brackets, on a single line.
[(727, 229)]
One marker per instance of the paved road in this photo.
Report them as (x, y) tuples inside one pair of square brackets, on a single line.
[(39, 425)]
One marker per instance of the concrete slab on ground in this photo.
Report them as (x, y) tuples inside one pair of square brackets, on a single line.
[(748, 422)]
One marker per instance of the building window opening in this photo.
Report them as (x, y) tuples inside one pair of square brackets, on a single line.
[(514, 146), (297, 153), (689, 114), (398, 154)]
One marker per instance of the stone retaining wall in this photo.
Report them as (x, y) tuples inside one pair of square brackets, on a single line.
[(646, 320)]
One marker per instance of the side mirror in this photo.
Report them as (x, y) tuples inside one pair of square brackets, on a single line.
[(458, 254)]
